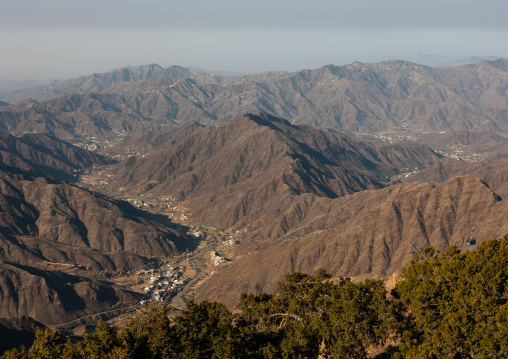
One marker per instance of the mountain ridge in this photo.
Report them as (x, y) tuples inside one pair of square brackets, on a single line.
[(369, 233), (387, 96), (237, 173)]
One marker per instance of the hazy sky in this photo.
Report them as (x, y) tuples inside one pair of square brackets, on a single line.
[(47, 39)]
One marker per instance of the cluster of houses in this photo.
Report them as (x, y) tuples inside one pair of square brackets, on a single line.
[(138, 203), (216, 259), (163, 285)]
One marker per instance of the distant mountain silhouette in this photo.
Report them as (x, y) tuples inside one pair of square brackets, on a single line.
[(387, 96), (131, 74)]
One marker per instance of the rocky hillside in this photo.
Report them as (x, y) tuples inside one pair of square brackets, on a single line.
[(369, 233), (387, 96), (75, 216), (55, 238), (43, 155), (148, 142), (54, 297), (493, 173), (253, 167)]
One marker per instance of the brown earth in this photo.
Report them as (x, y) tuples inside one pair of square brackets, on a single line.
[(54, 297), (387, 96), (40, 154), (465, 145), (75, 216), (252, 169), (493, 173), (366, 233), (60, 244), (145, 143), (58, 240)]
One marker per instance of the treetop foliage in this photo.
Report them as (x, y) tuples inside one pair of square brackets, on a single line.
[(447, 305)]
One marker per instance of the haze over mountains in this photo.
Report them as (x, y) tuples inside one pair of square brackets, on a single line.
[(388, 96), (340, 167)]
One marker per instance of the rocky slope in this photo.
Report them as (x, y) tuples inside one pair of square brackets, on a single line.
[(44, 155), (493, 173), (75, 216), (148, 142), (363, 234), (388, 96), (252, 168), (55, 238), (54, 297), (471, 146)]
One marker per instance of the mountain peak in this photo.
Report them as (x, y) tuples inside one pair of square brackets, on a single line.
[(28, 103), (484, 64), (151, 66), (261, 119)]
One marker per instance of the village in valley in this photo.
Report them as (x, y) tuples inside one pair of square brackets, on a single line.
[(171, 279)]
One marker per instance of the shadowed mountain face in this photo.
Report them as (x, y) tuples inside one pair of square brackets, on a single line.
[(75, 216), (44, 223), (388, 96), (44, 155), (253, 167), (40, 208), (17, 332), (53, 297), (54, 237)]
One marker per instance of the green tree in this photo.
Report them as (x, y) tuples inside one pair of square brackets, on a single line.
[(151, 334), (310, 316), (206, 330), (458, 303), (48, 344), (101, 343)]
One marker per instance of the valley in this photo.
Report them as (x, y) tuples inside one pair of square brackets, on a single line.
[(151, 184), (172, 279)]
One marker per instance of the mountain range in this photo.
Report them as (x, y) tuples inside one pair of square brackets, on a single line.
[(348, 168), (55, 236), (363, 235), (251, 168), (387, 96), (303, 198)]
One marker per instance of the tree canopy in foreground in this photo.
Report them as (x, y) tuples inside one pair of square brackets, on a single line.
[(447, 305)]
